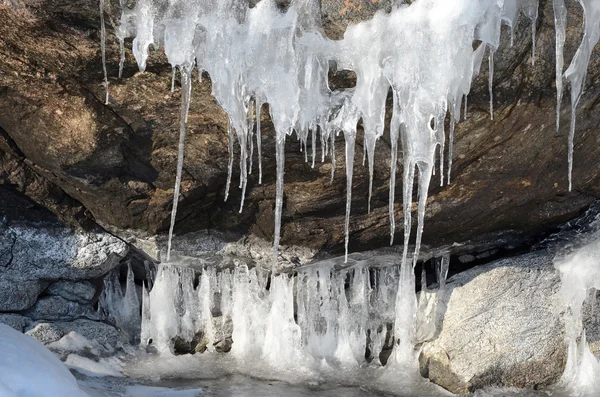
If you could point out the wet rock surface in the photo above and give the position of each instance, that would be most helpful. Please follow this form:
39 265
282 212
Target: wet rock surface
115 164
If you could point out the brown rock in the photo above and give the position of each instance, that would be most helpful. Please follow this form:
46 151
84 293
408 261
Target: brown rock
116 163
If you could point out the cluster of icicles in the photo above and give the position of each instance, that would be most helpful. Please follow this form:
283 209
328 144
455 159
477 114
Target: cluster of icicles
343 317
263 55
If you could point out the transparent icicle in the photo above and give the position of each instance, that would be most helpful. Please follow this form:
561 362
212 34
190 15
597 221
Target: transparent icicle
394 134
259 142
370 145
122 57
173 79
251 114
491 83
560 26
314 145
350 138
186 91
576 73
280 158
103 48
451 144
230 163
332 157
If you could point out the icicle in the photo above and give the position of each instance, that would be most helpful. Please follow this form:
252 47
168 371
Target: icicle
350 138
186 90
370 142
560 26
451 144
332 157
424 178
577 71
173 78
465 116
251 113
533 27
103 48
571 144
314 145
122 57
230 164
394 134
242 140
512 36
280 155
259 142
491 83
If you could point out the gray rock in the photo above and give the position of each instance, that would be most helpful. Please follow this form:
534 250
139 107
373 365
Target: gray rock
501 326
77 291
7 241
48 332
18 293
53 251
44 251
15 321
57 308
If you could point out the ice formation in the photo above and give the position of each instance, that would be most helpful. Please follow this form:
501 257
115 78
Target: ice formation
422 53
577 71
341 317
428 74
122 309
580 279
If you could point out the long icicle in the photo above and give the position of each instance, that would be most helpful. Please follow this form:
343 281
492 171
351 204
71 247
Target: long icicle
186 91
103 48
451 144
230 164
350 138
491 83
394 134
259 142
280 158
560 26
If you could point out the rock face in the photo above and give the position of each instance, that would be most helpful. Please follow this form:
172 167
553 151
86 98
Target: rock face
47 333
115 164
502 325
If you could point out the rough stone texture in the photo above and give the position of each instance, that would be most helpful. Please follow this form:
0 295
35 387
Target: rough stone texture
116 163
17 293
57 308
48 332
77 291
15 321
502 325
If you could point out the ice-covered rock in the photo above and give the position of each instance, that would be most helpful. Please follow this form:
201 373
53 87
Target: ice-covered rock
502 325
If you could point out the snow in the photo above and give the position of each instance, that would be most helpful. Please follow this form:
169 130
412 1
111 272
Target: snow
28 369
